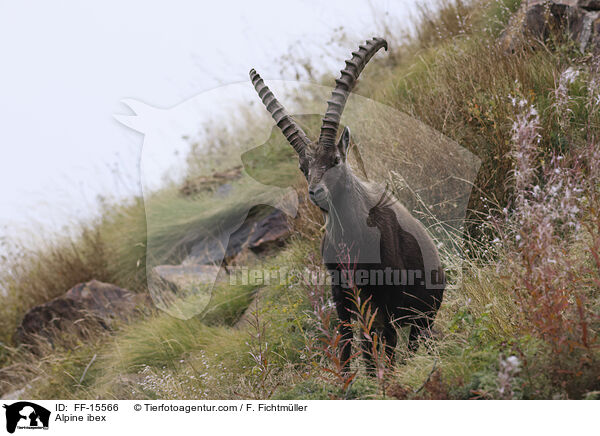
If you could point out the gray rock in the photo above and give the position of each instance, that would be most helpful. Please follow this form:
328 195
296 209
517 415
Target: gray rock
213 182
80 312
223 190
593 5
188 276
255 235
18 394
187 286
536 20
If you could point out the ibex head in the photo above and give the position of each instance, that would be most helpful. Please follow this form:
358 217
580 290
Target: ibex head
322 163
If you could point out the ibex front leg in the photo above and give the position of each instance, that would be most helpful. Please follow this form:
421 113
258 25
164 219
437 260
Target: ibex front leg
342 306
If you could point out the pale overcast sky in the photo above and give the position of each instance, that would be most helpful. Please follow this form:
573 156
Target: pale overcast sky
66 65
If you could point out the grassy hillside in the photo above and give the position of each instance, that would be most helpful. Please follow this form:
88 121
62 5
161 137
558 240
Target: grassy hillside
523 324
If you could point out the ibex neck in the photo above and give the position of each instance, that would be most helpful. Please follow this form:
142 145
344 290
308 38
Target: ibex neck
346 225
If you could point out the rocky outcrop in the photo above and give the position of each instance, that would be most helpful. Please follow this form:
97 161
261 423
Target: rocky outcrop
200 269
240 218
536 20
180 278
79 312
255 234
214 182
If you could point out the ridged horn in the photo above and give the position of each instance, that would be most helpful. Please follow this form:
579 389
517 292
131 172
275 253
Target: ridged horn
343 88
290 129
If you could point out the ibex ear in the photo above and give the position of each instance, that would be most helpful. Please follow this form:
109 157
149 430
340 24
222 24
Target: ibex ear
344 142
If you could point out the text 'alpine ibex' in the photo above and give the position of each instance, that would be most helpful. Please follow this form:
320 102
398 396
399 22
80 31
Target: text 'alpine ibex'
388 253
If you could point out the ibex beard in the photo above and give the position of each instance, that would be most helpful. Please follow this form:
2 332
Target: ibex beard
367 230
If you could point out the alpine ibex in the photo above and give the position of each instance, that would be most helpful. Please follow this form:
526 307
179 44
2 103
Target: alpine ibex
388 253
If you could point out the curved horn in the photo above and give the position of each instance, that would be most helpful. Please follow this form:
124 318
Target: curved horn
292 131
344 86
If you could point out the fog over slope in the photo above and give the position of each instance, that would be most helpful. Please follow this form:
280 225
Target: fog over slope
67 67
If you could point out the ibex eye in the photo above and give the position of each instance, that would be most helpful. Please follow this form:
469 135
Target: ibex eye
337 160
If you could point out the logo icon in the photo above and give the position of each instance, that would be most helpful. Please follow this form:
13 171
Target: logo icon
243 187
26 415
